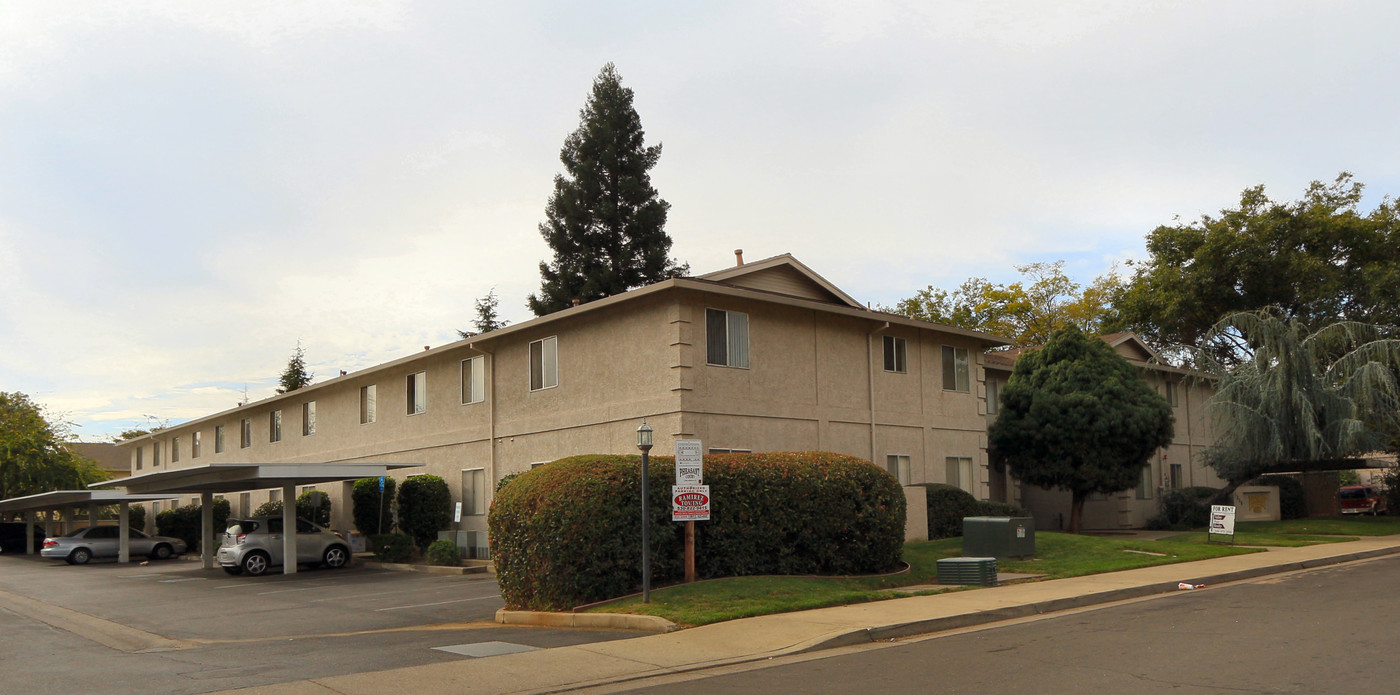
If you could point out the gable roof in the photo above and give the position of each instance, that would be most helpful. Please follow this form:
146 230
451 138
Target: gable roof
1126 343
785 275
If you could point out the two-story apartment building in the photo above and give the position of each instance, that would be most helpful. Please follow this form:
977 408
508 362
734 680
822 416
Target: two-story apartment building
762 356
1178 465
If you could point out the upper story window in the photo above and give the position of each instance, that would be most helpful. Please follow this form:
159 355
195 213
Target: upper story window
274 426
245 433
218 439
1171 394
416 392
308 418
896 355
726 338
155 453
195 445
993 396
473 381
174 449
956 371
544 364
368 404
139 452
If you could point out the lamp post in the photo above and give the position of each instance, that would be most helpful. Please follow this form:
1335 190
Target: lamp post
644 443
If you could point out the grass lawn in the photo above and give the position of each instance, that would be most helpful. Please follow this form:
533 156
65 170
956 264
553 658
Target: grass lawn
1298 532
1057 555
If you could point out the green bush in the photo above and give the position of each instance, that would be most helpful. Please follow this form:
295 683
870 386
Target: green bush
371 512
444 553
568 533
425 507
1183 509
320 516
136 517
1292 501
988 508
185 522
391 547
947 505
270 508
506 479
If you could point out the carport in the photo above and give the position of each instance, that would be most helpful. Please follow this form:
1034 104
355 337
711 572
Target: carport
67 499
224 478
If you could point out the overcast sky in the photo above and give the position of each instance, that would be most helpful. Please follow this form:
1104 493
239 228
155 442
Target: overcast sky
188 189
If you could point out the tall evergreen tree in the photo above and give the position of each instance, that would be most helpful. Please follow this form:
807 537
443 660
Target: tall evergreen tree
605 222
295 375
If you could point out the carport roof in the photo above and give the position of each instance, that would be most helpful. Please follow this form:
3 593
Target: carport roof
237 477
59 499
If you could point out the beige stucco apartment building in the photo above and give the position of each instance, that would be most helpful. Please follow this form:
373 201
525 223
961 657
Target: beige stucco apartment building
762 356
1178 465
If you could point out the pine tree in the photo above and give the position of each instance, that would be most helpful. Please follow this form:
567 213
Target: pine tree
487 317
295 376
605 222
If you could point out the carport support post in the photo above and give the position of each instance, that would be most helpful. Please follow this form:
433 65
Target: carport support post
289 529
92 515
206 529
29 532
123 533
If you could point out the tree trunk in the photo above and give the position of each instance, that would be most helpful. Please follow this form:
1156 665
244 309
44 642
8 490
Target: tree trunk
1227 493
1076 511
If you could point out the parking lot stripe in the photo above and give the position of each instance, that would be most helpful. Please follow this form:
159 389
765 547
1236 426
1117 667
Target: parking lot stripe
287 591
184 579
439 603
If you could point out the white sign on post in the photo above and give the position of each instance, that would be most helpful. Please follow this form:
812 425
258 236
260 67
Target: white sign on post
1222 520
690 503
690 463
457 515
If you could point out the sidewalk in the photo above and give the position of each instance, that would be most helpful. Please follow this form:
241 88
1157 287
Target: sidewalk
753 639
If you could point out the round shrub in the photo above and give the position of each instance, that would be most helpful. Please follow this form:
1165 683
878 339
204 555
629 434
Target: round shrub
569 533
317 514
444 553
1292 501
185 522
371 511
136 517
270 508
391 547
425 507
1183 509
947 505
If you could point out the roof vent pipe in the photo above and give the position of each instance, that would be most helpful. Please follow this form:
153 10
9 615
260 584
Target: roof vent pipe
738 257
575 301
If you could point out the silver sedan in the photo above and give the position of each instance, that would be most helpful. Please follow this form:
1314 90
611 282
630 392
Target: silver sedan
101 541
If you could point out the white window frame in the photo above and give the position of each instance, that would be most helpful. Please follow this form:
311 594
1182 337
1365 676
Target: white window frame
896 354
369 403
473 380
196 445
308 418
549 357
901 467
415 392
245 433
737 345
960 467
274 426
474 491
962 368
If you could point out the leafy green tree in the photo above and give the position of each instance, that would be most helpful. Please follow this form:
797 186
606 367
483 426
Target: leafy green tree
1077 416
604 222
487 317
425 507
33 455
295 375
1027 312
1318 259
1302 399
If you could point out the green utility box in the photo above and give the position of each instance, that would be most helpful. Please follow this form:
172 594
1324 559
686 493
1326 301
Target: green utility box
968 570
999 536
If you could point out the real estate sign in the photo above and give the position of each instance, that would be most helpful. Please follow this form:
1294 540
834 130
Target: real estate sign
690 503
690 463
1222 520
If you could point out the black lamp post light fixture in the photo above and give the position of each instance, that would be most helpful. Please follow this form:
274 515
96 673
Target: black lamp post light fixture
644 443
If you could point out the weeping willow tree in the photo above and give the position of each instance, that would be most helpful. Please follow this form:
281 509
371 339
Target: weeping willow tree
1301 399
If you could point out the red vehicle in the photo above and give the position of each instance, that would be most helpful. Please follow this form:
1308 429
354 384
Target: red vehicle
1360 499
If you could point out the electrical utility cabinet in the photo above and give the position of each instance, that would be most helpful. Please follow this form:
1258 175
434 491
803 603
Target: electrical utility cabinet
1000 537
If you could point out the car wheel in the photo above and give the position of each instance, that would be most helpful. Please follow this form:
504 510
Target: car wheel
161 552
336 557
234 570
256 564
79 556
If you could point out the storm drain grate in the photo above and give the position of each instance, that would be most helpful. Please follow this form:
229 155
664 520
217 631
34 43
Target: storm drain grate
480 649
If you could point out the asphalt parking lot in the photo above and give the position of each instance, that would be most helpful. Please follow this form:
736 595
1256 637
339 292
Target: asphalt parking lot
175 627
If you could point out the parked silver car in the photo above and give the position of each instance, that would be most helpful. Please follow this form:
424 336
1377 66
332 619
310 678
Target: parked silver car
101 541
254 545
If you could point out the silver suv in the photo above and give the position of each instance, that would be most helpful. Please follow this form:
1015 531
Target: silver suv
254 545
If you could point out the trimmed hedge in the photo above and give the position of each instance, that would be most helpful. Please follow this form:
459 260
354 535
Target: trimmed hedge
184 523
947 505
443 553
424 508
391 547
371 514
569 533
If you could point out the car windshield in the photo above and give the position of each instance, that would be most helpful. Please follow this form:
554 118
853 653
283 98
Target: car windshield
238 527
1355 493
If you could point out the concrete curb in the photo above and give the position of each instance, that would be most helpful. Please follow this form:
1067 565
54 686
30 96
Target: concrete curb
610 621
421 569
954 622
